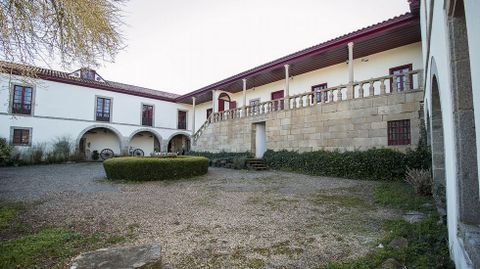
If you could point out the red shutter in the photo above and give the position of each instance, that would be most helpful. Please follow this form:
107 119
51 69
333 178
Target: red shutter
233 104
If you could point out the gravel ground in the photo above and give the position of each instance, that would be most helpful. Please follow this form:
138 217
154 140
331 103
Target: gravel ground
225 219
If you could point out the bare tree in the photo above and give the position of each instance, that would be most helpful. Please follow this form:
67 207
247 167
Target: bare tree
72 31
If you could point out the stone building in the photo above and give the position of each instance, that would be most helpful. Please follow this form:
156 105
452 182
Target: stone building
451 56
369 88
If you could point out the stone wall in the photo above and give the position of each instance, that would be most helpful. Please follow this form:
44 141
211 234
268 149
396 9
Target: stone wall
355 124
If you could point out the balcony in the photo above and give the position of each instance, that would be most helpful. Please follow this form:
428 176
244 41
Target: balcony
374 87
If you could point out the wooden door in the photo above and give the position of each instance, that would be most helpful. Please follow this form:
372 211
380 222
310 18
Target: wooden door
277 105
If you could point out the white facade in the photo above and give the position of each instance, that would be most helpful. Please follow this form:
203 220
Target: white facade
65 110
450 98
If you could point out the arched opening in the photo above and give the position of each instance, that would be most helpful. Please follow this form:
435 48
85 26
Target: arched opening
179 144
146 141
438 150
96 139
225 103
464 117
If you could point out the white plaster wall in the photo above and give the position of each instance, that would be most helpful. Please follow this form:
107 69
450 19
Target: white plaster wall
100 140
144 141
68 110
472 15
439 51
378 65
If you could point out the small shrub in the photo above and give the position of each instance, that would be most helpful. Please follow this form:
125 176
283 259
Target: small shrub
37 153
5 151
61 149
77 156
154 168
239 162
420 179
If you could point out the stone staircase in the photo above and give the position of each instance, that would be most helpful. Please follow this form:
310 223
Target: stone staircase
256 164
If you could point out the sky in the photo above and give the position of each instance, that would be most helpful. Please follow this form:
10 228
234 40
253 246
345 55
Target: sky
182 45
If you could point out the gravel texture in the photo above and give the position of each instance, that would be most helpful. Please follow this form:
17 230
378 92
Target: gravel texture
225 219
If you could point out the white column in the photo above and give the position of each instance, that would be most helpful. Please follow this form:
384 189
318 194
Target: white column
287 92
214 97
193 116
244 92
350 88
350 62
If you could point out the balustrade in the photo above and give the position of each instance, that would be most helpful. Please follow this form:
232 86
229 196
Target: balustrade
391 84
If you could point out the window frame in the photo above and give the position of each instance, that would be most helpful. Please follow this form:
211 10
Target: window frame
401 67
209 112
317 100
12 98
395 138
178 119
12 136
152 116
96 108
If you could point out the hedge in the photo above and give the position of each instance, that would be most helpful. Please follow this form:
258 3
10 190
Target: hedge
373 164
155 168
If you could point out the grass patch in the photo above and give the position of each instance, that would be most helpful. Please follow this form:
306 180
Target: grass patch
342 200
399 195
427 240
282 248
47 247
8 212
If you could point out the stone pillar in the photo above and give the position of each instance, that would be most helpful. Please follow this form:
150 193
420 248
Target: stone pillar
244 92
214 97
350 89
287 81
193 116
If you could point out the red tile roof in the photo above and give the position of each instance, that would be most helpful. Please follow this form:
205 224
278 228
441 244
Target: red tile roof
64 77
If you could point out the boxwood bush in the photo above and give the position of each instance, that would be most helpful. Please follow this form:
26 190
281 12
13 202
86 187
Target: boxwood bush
155 168
372 164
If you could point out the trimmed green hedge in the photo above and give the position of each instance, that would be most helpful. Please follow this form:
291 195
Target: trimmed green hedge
373 164
155 168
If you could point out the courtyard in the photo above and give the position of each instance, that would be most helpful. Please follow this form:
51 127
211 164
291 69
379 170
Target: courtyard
225 219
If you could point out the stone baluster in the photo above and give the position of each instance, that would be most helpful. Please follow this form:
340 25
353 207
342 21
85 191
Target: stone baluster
420 79
360 90
300 101
382 87
407 82
339 94
371 88
322 96
394 88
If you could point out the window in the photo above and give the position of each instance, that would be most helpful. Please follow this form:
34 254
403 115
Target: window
317 90
254 105
209 112
401 80
182 120
87 74
398 132
147 115
277 104
21 137
104 106
22 100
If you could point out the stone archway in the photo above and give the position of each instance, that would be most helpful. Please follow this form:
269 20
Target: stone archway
179 143
224 101
438 149
146 139
97 138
